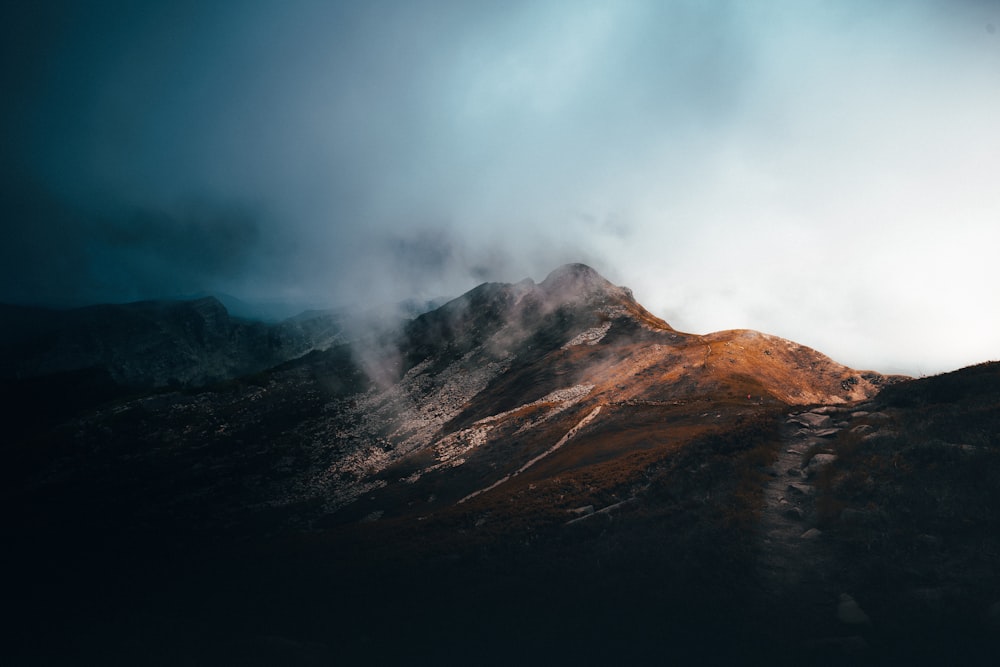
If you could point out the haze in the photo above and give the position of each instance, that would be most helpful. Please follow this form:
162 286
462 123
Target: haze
822 171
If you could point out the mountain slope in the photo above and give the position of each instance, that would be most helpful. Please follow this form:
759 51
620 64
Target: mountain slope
547 470
153 343
483 389
514 368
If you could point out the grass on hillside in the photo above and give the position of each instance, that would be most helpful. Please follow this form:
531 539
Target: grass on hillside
913 506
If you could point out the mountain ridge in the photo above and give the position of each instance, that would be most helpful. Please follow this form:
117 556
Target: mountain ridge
525 359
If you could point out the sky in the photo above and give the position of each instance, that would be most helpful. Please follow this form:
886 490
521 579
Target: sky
822 171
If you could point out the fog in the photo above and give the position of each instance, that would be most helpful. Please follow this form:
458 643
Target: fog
821 171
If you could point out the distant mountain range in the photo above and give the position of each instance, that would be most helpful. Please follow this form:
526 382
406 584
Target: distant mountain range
532 473
155 343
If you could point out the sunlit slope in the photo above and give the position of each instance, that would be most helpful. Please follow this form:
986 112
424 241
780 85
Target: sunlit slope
516 382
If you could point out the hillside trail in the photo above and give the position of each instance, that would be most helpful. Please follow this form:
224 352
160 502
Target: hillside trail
796 570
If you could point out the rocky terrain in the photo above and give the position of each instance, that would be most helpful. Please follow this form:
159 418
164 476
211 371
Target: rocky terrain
532 472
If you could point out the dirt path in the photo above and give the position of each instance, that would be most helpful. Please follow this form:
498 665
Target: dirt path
796 570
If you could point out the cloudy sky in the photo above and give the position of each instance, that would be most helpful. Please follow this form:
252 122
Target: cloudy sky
824 171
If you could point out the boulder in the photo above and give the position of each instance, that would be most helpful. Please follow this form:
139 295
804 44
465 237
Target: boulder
818 462
811 534
851 515
793 513
849 612
811 420
932 541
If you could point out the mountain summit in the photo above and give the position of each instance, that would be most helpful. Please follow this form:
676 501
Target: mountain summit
579 280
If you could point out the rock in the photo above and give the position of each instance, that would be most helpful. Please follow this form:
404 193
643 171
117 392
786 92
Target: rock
929 540
799 489
859 414
606 511
825 410
811 534
851 515
818 462
861 429
849 612
811 420
826 432
582 511
793 513
794 472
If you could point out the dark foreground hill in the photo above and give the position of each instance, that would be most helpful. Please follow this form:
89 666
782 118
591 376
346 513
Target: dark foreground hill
533 473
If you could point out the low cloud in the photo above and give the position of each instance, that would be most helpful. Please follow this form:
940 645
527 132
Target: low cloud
820 171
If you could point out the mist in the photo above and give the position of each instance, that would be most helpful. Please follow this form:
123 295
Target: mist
821 171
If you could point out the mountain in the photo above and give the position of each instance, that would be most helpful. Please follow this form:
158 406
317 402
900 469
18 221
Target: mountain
532 473
151 344
529 363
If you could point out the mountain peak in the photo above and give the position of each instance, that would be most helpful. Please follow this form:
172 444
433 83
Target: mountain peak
573 273
579 280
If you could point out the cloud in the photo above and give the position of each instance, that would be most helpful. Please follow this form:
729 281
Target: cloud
63 254
821 171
